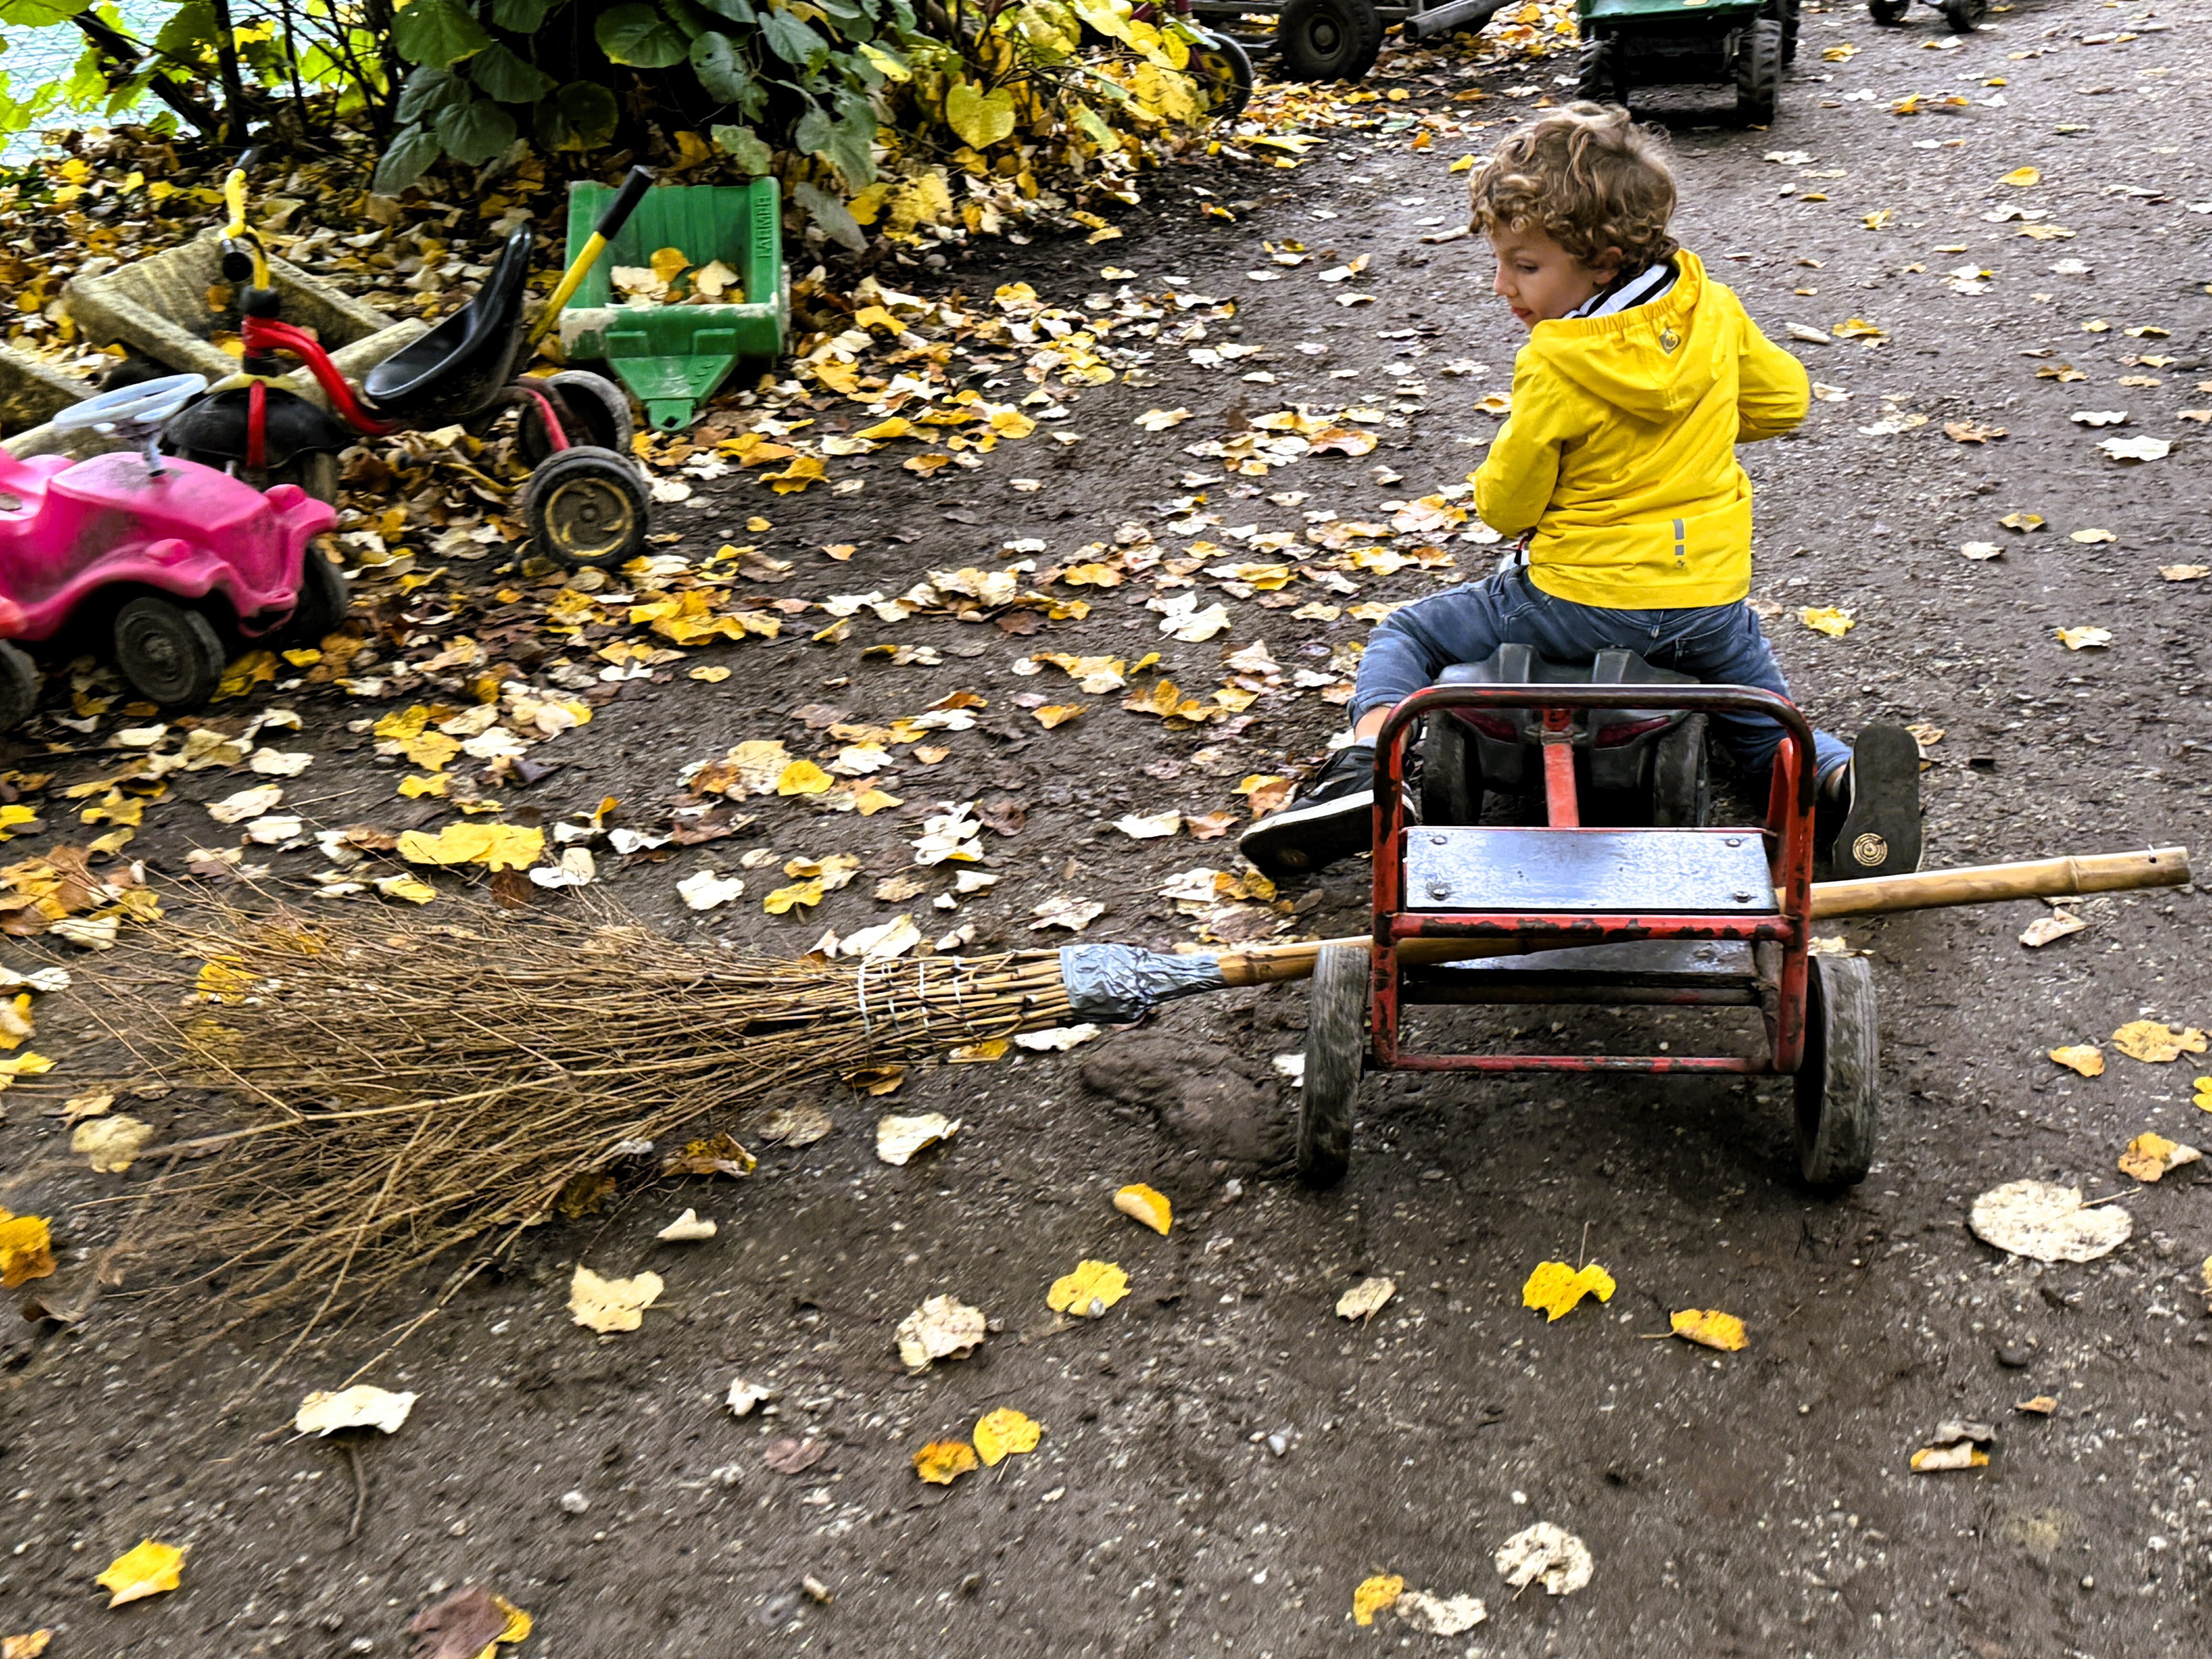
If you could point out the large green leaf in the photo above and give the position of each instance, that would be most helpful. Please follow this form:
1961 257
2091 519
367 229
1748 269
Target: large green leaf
639 37
743 145
738 11
510 79
791 39
427 91
835 219
438 32
410 154
981 119
190 32
721 67
851 149
40 14
523 16
581 116
475 131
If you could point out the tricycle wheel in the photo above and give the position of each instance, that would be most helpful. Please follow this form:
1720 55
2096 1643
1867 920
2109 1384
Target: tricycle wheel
1328 39
1336 1045
592 409
1840 1082
1758 72
1597 71
322 603
1964 16
1221 66
1888 13
588 509
171 654
1681 777
19 685
1451 772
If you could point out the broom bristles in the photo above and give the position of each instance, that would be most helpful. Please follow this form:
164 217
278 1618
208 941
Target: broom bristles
415 1086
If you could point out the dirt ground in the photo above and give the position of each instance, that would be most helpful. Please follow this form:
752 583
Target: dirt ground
1223 1459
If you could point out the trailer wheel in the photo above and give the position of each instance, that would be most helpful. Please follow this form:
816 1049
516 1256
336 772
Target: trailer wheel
1839 1083
1786 12
19 685
586 507
1758 72
1328 39
1336 1045
1888 13
170 655
1451 772
1597 71
1964 16
1681 777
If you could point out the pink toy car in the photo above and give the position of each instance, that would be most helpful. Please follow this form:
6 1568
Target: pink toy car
174 554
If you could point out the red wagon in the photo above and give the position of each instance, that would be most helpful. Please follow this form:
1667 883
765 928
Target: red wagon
1685 917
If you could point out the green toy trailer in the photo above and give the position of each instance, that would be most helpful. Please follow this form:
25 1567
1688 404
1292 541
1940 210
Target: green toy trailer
673 357
1648 43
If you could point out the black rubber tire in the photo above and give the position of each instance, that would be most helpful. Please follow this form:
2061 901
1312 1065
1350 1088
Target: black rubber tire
588 509
1451 772
1964 16
1597 74
1786 13
1839 1084
1328 39
321 604
1336 1048
1888 13
171 655
1758 73
599 410
19 685
1224 68
1681 777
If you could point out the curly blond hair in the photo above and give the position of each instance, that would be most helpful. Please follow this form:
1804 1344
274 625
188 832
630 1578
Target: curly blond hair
1586 176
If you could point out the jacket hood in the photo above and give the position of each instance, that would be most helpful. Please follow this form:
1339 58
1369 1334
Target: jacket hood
1652 361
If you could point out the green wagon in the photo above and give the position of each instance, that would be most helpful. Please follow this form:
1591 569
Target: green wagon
1627 44
673 357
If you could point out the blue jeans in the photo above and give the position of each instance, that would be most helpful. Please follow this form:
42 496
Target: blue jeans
1719 644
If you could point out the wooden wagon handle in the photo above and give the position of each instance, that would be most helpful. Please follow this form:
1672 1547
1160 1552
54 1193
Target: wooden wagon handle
1925 890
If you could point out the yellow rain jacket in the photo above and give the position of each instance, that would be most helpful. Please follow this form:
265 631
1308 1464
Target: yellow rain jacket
1620 451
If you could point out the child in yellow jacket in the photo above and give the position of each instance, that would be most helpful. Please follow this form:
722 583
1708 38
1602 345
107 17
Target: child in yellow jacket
1618 468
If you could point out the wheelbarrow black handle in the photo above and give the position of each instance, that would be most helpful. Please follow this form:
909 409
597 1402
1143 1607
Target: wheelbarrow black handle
625 204
1696 699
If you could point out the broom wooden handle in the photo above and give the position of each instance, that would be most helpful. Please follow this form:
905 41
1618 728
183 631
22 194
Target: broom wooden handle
1925 890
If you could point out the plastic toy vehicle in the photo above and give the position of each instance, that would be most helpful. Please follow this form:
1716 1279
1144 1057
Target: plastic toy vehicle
1632 765
1963 15
586 503
1339 39
1679 917
178 555
1647 43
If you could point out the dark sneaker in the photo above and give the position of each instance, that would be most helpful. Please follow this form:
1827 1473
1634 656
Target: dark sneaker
1880 835
1333 820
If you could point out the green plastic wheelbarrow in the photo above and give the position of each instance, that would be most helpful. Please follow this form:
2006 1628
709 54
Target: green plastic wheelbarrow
673 357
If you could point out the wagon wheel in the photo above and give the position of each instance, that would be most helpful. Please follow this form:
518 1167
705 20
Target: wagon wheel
1224 68
170 655
1681 777
1328 39
1597 71
1336 1046
1451 772
1888 13
1964 16
1758 72
1840 1082
19 685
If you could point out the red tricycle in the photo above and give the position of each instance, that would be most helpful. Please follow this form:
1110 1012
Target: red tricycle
1674 917
173 556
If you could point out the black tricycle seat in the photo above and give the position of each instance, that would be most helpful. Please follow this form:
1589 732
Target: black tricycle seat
459 367
1611 738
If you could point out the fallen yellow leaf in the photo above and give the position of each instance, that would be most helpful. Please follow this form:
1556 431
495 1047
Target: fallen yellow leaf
27 1251
148 1570
1557 1288
495 846
1827 619
24 1647
1143 1203
1710 1327
1965 1454
2150 1156
943 1462
804 777
2155 1042
611 1304
2086 1057
2022 177
1374 1596
1004 1432
1087 1293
